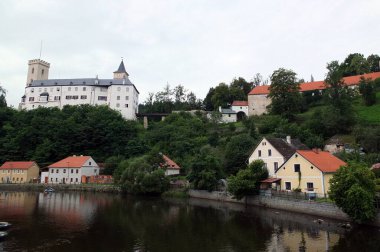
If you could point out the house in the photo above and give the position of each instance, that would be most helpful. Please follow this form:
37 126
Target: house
275 151
19 172
258 99
72 170
228 115
334 145
172 168
119 93
309 171
241 109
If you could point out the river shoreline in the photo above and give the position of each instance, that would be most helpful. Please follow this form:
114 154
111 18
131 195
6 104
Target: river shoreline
105 188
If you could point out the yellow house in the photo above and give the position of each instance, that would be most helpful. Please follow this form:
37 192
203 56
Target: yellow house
19 172
309 171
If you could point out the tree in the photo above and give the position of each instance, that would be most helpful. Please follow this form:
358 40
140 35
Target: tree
284 92
367 90
243 85
221 96
237 153
205 170
355 64
3 102
353 190
374 62
247 181
339 115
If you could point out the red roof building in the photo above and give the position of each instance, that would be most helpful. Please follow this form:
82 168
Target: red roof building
240 103
19 172
172 168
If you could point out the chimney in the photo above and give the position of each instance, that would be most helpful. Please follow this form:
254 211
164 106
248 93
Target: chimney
316 150
288 139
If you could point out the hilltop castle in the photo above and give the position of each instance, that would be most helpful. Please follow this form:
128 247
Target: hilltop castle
118 93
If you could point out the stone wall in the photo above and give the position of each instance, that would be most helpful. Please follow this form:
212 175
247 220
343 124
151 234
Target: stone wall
323 209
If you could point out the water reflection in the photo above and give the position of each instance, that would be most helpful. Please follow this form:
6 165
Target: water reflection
101 222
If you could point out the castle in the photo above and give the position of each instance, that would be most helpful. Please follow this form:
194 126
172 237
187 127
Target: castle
118 93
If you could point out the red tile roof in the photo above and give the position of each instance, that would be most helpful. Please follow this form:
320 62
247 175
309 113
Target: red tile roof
240 103
270 180
70 162
17 165
318 85
322 160
170 163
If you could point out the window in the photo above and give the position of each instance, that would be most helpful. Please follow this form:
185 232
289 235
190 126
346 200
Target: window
118 98
72 170
127 98
57 89
57 171
95 171
76 179
288 186
56 179
57 98
32 90
51 179
31 98
75 97
45 89
21 179
83 97
40 89
269 153
102 98
64 170
118 88
84 88
77 171
297 168
71 180
42 72
17 179
76 88
275 166
127 89
68 97
89 163
259 153
126 105
52 171
117 105
103 89
69 88
33 70
310 186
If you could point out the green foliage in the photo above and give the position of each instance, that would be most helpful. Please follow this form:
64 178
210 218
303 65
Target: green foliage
237 152
205 169
284 92
247 181
367 90
3 102
353 190
142 176
355 64
368 137
111 164
373 61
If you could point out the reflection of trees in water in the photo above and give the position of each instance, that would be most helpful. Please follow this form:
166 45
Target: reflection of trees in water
359 239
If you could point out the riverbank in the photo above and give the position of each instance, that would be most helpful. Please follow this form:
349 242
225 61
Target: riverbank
62 187
318 209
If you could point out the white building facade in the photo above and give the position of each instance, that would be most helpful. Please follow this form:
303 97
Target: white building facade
72 170
118 93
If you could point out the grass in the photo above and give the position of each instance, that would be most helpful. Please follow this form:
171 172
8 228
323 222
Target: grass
175 193
368 114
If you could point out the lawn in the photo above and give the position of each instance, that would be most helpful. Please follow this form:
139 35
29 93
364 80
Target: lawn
369 114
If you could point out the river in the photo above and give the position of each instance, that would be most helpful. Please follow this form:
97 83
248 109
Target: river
106 222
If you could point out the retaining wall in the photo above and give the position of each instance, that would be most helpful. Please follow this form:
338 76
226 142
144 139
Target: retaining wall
323 209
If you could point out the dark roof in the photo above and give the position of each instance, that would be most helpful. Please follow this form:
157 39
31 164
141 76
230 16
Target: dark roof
121 68
227 111
286 149
44 94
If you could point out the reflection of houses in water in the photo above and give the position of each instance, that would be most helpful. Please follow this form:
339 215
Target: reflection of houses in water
16 204
67 208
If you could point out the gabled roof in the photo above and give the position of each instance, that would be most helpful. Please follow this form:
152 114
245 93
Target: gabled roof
17 165
318 85
240 103
322 160
286 149
170 163
70 162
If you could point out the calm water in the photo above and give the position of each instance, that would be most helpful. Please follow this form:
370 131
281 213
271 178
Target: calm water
102 222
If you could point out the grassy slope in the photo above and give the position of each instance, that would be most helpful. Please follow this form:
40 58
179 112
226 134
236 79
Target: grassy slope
370 115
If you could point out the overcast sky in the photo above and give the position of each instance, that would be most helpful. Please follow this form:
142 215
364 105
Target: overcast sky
197 43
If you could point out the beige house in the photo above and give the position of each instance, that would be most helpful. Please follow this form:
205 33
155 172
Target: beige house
309 170
19 172
275 151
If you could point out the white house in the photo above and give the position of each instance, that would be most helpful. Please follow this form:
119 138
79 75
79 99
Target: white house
172 168
275 151
241 109
72 170
118 93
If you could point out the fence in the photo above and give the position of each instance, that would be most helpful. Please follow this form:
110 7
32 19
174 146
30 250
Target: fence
292 195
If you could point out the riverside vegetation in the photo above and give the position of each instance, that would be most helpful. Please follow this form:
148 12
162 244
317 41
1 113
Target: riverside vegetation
206 150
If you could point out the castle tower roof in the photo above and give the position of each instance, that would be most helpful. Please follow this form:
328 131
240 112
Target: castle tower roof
121 68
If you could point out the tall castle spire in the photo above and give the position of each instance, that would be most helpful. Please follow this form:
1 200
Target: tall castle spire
120 73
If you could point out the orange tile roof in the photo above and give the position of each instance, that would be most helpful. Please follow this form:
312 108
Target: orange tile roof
70 162
322 160
17 165
318 85
240 103
171 164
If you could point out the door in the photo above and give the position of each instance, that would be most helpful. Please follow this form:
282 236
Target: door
46 180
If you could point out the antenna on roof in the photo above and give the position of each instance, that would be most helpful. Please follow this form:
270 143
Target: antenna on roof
40 49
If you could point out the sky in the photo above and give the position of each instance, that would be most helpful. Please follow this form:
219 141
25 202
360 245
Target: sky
197 43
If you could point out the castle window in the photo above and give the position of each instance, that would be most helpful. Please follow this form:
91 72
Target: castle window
45 89
57 89
68 97
40 89
119 88
31 98
117 105
127 89
127 98
69 88
102 98
126 105
76 88
75 97
32 90
57 98
42 72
